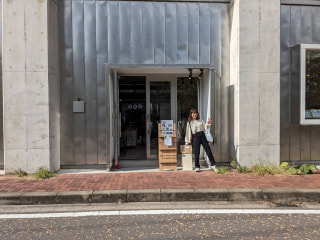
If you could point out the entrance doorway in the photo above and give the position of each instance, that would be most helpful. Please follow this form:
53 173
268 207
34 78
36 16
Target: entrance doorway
132 107
143 103
140 100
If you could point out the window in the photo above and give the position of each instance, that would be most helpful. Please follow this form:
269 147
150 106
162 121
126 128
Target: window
305 85
312 84
187 98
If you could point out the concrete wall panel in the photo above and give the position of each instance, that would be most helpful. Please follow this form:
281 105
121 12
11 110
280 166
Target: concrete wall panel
249 155
268 32
28 129
255 29
249 44
14 110
249 117
36 37
37 117
13 37
28 161
269 108
270 154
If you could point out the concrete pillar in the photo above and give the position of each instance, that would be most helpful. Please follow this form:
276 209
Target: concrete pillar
255 75
30 85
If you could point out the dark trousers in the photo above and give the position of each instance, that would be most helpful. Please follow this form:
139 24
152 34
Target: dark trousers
198 139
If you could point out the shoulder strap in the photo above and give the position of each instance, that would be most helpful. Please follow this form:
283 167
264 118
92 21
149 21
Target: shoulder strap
190 127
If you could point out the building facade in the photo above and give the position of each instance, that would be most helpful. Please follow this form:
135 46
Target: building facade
85 82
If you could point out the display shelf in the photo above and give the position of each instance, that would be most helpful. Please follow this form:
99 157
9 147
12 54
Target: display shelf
167 154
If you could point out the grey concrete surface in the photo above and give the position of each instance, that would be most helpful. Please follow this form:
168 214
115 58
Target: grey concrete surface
132 206
280 195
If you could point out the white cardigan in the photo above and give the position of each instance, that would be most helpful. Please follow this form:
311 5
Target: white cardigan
196 126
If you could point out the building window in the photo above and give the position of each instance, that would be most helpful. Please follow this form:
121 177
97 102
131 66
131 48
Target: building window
305 85
312 84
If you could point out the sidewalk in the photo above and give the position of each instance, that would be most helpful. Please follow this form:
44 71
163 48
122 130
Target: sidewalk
158 186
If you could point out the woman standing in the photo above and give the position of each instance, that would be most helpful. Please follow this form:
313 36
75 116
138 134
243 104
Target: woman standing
195 130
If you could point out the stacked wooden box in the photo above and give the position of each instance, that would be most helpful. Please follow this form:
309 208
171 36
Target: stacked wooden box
187 157
167 154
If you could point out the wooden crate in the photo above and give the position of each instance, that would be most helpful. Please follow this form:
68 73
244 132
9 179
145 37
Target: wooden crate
167 154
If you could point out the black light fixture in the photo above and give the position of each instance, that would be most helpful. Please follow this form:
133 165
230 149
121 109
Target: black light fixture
190 73
201 73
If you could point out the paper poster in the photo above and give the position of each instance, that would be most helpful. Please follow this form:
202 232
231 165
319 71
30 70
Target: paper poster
167 131
167 127
167 140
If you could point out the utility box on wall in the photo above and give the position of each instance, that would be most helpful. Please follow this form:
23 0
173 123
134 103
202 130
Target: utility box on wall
78 106
305 85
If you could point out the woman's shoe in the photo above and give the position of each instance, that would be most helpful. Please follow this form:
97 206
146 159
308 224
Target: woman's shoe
197 170
214 168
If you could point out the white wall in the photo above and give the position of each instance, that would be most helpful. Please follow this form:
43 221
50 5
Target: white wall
255 75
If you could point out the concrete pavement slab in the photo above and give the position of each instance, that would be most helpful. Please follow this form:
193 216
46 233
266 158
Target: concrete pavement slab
109 196
168 195
283 195
305 195
211 194
74 197
10 198
161 195
143 195
245 194
38 198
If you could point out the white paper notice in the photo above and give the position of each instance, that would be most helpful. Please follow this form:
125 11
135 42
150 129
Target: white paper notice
167 127
167 141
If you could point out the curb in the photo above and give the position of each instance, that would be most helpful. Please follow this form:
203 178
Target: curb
281 195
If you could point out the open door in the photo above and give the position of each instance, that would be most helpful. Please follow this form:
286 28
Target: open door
208 102
206 96
112 122
161 105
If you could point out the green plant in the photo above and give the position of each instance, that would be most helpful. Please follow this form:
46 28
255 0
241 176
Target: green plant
234 164
223 170
243 169
305 168
20 173
43 173
261 169
284 165
300 169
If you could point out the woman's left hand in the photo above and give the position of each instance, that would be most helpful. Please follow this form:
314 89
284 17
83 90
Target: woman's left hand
209 120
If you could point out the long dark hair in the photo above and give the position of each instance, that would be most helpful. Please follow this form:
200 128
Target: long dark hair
193 110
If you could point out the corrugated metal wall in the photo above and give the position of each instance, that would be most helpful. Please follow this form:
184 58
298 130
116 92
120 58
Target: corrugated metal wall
299 24
1 101
93 33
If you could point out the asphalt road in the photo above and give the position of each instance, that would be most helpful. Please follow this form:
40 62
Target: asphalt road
175 226
207 221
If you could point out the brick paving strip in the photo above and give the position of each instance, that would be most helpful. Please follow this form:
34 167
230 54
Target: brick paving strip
157 186
155 180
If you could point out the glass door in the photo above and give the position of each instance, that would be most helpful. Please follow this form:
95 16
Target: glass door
161 102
